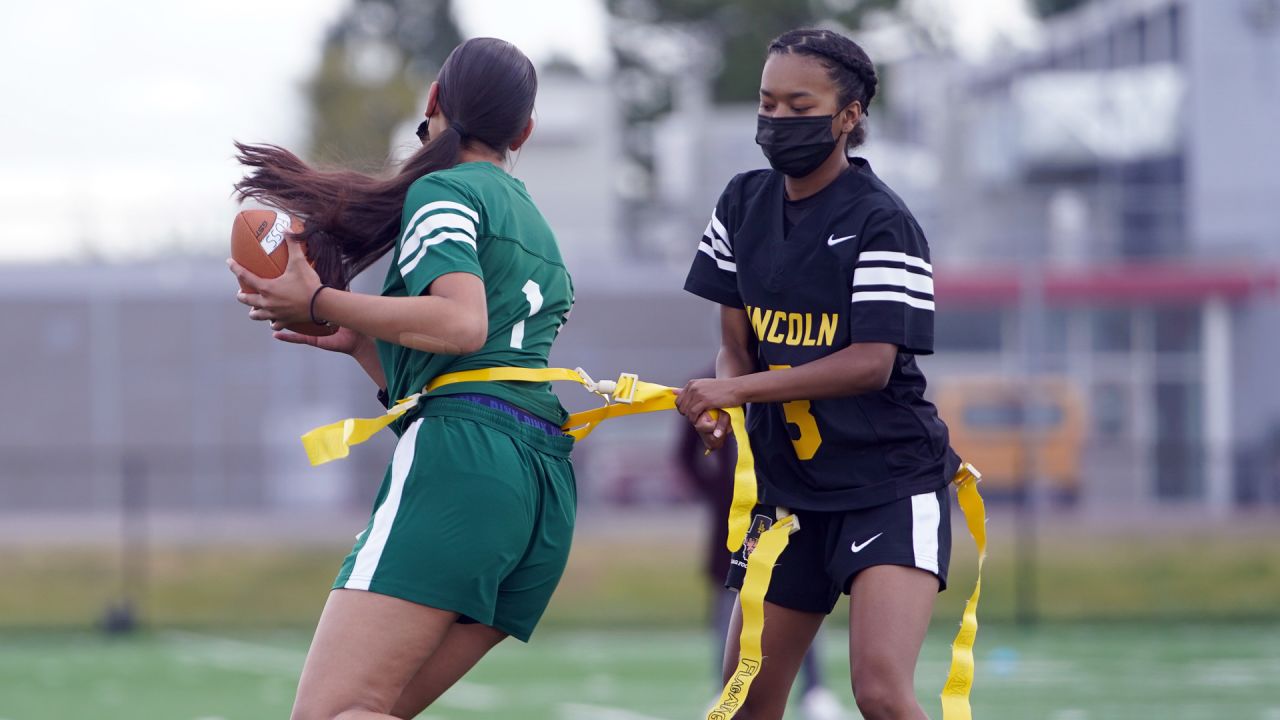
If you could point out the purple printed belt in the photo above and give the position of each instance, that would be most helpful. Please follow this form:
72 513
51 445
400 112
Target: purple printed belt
520 414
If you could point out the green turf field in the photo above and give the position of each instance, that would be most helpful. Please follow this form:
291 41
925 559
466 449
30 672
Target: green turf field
1057 672
643 577
1176 623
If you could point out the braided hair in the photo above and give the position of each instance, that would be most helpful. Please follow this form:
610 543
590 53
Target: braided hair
846 62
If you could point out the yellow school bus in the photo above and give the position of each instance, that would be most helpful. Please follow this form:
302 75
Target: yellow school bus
986 418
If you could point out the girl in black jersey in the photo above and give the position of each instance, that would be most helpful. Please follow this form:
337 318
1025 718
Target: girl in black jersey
826 293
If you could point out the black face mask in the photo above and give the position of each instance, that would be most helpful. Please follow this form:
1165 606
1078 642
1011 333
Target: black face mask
795 146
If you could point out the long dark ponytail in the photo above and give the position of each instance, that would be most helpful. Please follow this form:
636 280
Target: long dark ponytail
486 90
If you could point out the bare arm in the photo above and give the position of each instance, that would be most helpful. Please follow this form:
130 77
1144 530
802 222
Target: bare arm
737 345
453 318
857 369
736 358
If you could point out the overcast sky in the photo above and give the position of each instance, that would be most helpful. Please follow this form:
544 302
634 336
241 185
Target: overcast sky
117 118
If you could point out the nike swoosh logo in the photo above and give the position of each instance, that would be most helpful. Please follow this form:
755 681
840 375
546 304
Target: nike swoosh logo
833 240
856 547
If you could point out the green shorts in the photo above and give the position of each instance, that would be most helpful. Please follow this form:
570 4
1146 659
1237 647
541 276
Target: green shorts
475 516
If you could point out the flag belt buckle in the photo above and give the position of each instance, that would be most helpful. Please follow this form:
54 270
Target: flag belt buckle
967 474
622 390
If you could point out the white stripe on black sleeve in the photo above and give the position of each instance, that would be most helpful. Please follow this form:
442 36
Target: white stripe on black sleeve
718 228
883 276
890 296
715 244
871 256
705 247
899 277
720 246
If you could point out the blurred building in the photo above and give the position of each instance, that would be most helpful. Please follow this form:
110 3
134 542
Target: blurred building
1101 211
151 375
575 137
145 382
1108 202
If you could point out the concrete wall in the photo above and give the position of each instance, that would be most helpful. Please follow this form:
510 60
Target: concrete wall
1233 146
157 366
154 369
1233 163
566 166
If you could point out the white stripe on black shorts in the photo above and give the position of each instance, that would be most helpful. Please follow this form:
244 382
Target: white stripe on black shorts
831 548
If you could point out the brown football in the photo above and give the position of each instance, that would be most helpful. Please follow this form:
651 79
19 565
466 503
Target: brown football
258 244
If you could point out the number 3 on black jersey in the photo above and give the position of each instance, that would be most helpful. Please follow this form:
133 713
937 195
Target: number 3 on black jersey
799 414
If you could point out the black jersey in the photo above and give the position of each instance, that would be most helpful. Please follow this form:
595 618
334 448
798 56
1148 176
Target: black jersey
854 268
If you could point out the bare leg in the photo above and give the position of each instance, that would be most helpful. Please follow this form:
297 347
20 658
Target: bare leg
723 601
462 648
366 650
787 636
889 611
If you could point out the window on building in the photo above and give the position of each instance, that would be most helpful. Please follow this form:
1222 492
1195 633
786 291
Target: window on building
968 330
1179 452
1177 330
1111 329
1101 53
1109 410
1129 43
1160 41
1056 332
1152 212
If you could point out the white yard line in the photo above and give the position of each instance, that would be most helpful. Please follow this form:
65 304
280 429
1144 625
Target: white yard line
232 654
259 658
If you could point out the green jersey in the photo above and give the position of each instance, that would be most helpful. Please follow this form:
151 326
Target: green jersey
475 218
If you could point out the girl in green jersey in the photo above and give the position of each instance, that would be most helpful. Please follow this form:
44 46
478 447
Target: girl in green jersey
471 528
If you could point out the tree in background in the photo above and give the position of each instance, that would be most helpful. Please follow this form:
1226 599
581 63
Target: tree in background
659 44
376 61
739 32
655 42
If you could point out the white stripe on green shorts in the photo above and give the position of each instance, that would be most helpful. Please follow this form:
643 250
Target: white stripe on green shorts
370 554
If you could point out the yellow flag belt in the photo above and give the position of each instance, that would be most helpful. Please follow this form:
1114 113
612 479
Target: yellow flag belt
629 395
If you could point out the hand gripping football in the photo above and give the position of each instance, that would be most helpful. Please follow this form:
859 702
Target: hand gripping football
258 244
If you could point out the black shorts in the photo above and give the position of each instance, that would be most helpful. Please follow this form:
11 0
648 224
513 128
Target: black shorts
830 548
